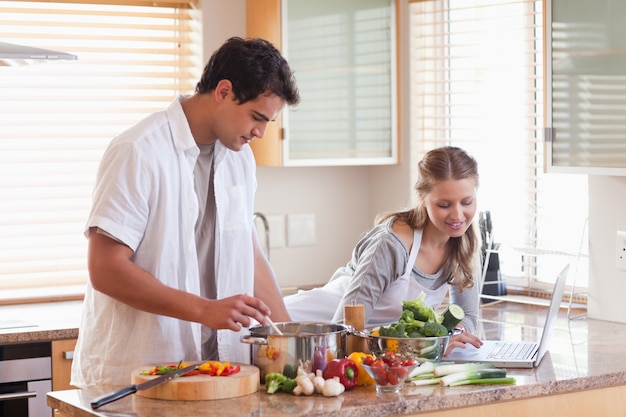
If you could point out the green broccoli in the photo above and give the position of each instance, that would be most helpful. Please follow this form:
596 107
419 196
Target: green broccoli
289 385
411 326
407 316
393 330
415 333
434 329
420 311
277 382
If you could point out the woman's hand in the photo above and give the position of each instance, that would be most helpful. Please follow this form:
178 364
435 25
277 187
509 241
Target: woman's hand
460 339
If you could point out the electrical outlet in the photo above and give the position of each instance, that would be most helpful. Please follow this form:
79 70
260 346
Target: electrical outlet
620 250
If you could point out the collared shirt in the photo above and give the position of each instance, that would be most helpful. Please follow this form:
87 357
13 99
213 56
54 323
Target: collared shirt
145 198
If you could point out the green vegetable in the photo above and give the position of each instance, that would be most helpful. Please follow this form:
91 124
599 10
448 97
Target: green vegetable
290 371
443 370
505 381
393 330
412 327
472 376
425 381
420 311
453 374
452 316
420 320
424 368
277 382
289 385
434 329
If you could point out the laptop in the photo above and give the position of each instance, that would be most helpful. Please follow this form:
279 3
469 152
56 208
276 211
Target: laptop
517 354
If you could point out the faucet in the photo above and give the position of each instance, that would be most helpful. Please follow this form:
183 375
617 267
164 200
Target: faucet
266 226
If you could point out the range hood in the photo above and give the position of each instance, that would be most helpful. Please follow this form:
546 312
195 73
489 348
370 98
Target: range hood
12 55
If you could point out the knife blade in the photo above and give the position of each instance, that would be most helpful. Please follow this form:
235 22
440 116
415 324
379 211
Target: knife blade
131 389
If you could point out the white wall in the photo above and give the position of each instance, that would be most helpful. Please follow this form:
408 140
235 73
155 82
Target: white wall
344 200
607 214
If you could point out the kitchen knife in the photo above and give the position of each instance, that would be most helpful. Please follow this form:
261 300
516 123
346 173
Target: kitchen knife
131 389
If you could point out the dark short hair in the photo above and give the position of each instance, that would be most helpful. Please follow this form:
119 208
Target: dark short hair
254 67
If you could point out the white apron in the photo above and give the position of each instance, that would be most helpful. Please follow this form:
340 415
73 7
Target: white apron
389 307
320 304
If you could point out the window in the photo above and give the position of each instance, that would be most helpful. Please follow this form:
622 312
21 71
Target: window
587 47
343 55
57 117
476 82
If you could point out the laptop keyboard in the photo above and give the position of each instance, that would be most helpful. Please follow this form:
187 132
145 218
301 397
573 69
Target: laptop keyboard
512 350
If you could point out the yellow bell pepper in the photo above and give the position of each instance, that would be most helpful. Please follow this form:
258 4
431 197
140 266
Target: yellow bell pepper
363 378
392 345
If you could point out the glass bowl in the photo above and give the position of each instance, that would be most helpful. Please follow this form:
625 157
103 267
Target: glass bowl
389 378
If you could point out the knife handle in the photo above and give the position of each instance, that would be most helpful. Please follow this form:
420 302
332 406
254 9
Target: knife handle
113 396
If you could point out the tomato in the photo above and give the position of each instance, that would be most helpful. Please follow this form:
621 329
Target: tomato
380 375
368 360
392 377
401 372
408 362
389 357
378 363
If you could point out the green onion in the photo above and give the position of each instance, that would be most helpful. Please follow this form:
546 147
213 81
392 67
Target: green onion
509 381
422 376
429 381
472 375
444 370
425 368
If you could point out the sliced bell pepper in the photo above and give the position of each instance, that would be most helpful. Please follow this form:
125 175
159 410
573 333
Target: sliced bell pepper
211 368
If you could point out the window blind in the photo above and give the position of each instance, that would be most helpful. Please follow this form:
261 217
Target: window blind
476 83
57 117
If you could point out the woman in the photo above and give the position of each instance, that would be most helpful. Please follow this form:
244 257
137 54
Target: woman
431 248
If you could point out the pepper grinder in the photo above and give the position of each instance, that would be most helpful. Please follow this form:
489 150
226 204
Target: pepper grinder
354 316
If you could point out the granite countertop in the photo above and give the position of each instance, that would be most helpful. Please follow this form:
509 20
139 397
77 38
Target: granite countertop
584 354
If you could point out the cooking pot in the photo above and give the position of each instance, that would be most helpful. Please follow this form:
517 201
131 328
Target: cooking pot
309 345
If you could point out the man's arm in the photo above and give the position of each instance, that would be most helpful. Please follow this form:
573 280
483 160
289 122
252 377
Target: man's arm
265 284
112 272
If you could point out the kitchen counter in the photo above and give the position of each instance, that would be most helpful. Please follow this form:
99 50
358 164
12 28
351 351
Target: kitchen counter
39 322
583 374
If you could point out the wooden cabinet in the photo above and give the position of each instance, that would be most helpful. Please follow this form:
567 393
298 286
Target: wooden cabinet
345 62
263 21
62 355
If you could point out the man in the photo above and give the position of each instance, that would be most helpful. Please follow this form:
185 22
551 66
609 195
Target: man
173 254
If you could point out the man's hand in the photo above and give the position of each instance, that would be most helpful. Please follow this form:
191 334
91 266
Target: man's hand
235 312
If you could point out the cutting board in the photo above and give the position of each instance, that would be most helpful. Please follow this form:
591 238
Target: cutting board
201 387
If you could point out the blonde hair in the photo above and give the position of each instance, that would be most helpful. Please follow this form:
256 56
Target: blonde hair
440 164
